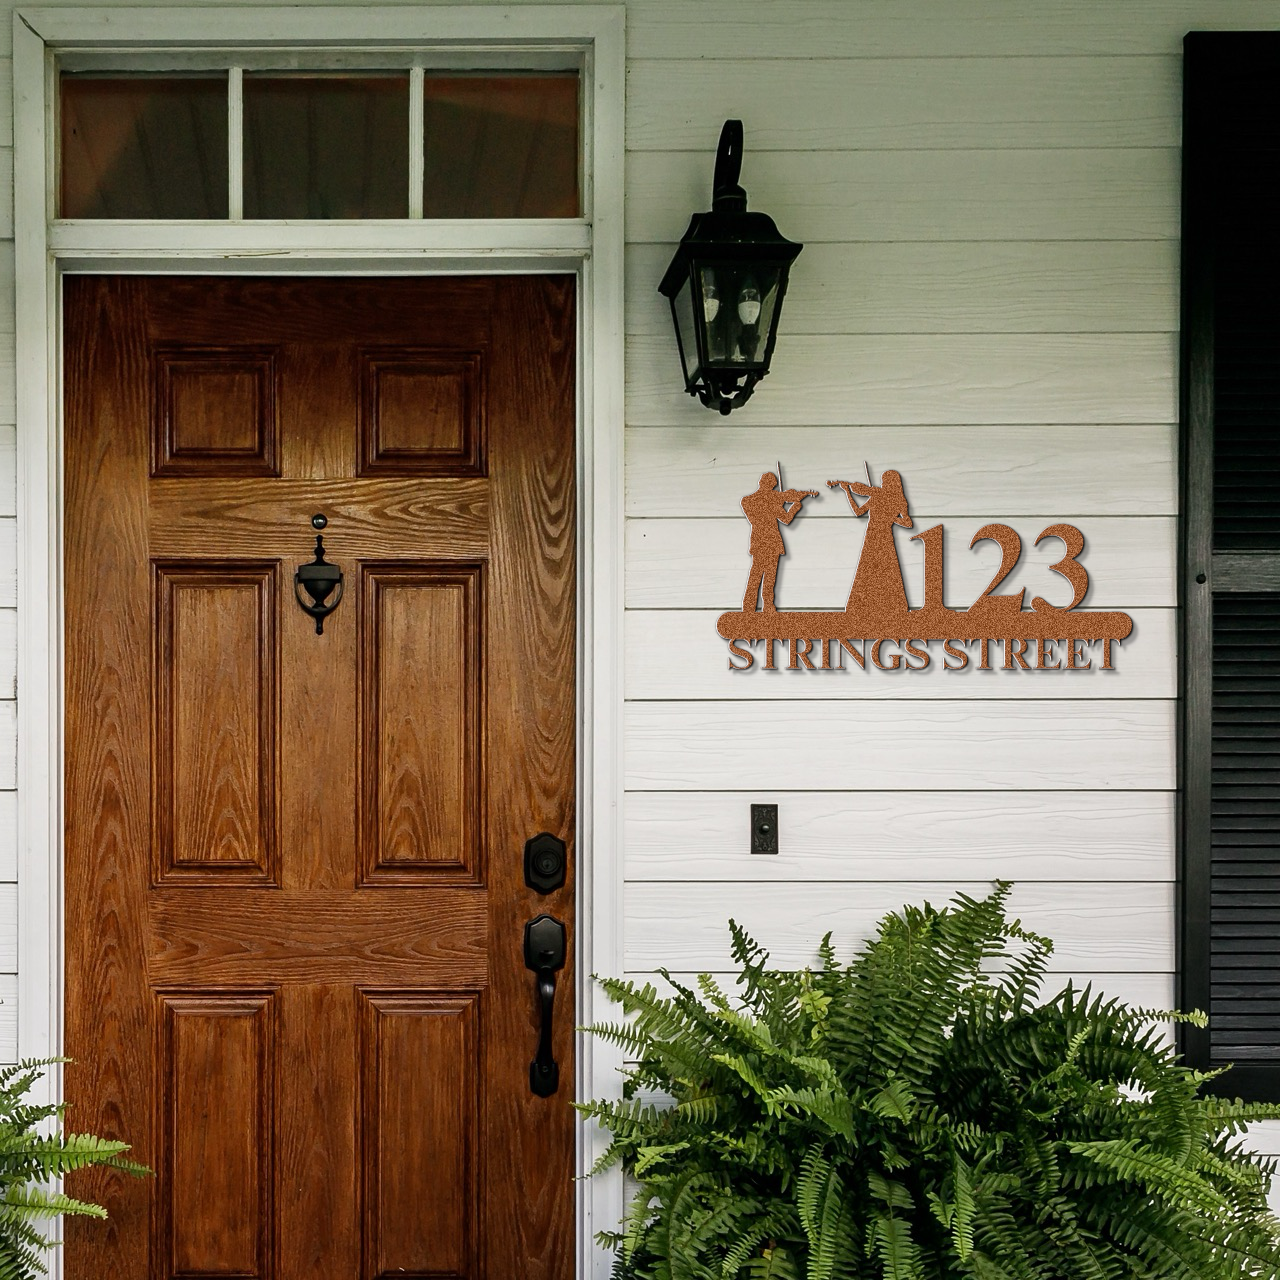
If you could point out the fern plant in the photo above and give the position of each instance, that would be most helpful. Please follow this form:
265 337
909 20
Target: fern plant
30 1158
922 1114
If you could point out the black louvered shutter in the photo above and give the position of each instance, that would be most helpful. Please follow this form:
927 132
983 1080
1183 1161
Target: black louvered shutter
1229 958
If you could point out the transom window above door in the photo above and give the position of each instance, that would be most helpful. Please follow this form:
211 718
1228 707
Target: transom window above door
241 143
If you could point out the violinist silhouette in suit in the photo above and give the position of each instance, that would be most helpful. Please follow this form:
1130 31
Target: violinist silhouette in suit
766 509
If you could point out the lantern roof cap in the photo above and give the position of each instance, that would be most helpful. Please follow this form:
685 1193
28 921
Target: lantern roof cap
728 232
727 237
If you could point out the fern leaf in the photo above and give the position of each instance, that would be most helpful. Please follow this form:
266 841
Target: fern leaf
32 1202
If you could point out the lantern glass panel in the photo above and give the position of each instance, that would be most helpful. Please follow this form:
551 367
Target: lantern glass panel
739 302
686 331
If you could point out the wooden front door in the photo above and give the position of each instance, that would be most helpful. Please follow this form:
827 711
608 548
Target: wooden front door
295 892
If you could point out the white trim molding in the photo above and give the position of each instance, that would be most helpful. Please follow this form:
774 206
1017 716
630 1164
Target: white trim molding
589 36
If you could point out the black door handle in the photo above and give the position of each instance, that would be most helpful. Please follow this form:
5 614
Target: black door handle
544 954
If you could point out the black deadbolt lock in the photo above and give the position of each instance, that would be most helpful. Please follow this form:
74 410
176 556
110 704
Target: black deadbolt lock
544 863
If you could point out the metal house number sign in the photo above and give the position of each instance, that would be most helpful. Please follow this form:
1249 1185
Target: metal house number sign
878 628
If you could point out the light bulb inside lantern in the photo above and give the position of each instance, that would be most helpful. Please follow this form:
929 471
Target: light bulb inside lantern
749 305
710 300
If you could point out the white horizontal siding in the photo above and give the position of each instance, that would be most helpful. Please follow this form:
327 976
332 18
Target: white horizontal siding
950 471
943 29
8 563
8 468
683 926
840 104
879 836
8 765
1034 744
8 654
8 363
8 928
8 837
6 186
1117 194
8 1017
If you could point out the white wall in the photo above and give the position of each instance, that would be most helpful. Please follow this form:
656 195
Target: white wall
987 301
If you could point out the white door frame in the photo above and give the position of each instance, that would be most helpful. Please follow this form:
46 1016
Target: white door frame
591 247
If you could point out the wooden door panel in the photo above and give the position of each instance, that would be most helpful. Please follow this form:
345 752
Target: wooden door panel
217 729
428 517
437 938
420 1134
422 412
216 1134
295 906
215 412
421 723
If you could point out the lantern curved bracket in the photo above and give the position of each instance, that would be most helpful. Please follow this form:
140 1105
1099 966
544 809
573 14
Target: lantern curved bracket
725 191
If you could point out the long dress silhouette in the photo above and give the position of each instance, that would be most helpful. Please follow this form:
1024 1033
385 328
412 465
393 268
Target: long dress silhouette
877 591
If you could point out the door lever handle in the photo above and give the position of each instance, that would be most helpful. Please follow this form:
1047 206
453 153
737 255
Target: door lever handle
544 945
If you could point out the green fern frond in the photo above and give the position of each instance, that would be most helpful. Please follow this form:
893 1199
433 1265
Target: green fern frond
923 1113
31 1157
33 1202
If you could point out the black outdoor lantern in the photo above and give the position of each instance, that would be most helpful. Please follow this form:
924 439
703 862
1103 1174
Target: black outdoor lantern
726 285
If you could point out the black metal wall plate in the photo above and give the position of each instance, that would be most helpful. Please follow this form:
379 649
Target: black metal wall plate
545 863
764 828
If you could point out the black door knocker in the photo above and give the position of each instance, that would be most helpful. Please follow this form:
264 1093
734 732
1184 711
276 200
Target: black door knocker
319 578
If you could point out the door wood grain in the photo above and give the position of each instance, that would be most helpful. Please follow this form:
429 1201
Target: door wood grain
295 898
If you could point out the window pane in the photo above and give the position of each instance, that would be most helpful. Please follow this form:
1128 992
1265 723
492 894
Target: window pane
326 146
144 147
501 146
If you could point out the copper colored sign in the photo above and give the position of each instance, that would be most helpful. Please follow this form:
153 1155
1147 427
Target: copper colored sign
1042 638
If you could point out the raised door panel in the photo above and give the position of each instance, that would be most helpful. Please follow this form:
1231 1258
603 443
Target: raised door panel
419 1148
216 1088
422 412
216 731
422 651
215 411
